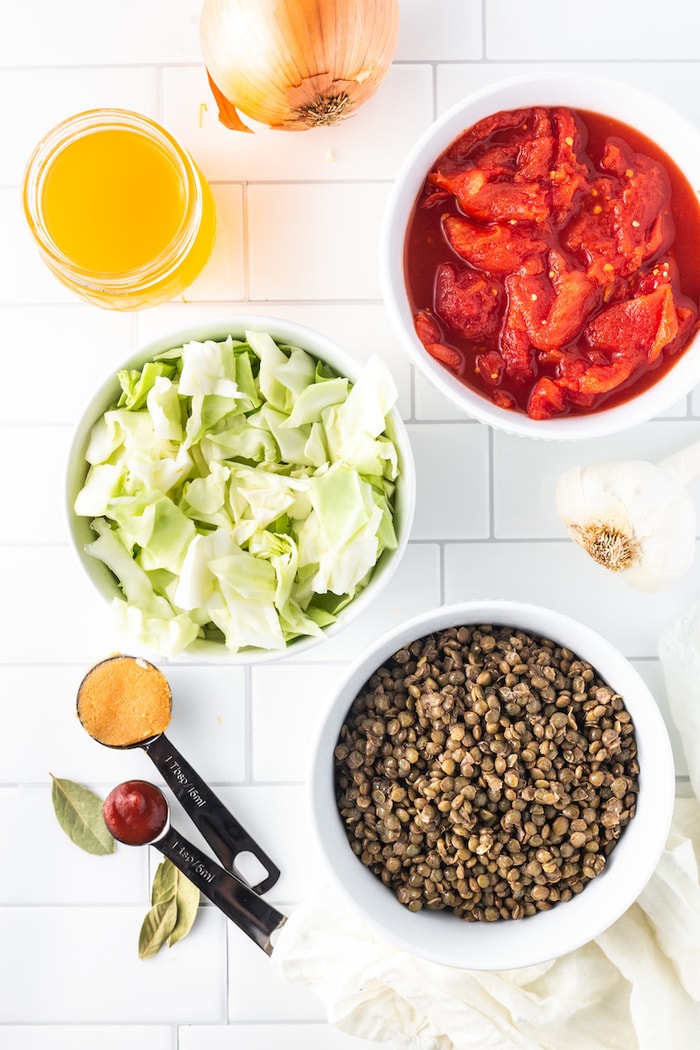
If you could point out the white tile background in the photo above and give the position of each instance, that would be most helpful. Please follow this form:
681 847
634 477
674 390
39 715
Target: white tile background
299 216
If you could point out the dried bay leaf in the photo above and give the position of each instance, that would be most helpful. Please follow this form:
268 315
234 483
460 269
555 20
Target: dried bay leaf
156 927
187 907
164 886
174 904
79 812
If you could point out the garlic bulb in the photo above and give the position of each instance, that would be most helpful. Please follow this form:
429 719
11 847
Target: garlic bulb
296 64
633 517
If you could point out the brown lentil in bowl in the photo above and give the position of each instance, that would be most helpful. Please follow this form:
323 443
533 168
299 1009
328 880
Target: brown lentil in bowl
486 771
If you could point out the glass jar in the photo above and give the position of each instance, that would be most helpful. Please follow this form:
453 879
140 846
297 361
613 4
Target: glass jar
119 210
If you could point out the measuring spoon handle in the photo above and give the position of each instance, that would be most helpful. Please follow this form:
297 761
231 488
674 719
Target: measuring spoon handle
253 915
224 833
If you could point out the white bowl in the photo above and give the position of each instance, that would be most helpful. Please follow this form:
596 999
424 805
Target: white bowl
676 136
508 943
318 346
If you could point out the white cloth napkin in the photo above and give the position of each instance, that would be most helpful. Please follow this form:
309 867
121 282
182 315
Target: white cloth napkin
635 987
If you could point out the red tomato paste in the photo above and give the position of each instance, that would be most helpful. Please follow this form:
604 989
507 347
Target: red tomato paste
135 812
551 261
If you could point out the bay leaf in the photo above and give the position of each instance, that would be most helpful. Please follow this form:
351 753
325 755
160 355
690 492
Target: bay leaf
79 812
164 886
156 927
174 904
188 897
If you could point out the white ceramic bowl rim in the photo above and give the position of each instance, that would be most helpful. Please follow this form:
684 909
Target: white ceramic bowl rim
286 332
672 132
438 936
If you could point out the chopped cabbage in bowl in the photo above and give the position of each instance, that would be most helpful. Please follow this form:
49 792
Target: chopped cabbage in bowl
241 491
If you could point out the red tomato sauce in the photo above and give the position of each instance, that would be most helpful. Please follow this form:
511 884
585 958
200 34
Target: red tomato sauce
551 261
135 812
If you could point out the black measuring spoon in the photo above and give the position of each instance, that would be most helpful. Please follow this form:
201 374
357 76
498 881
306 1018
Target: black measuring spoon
136 812
224 833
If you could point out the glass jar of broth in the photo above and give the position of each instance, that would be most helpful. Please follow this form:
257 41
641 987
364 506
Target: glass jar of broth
119 210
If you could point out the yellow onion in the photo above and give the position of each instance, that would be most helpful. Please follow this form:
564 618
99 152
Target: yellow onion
296 64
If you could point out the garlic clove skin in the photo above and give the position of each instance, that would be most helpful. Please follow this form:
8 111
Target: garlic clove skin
632 517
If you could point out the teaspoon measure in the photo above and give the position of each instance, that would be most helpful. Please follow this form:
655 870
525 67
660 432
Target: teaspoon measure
136 813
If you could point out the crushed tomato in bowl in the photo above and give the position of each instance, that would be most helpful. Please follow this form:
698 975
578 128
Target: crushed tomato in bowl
549 261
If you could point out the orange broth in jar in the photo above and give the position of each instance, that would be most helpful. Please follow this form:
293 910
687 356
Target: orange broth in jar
119 210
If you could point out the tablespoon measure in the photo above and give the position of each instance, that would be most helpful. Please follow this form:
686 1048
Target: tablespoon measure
136 812
224 833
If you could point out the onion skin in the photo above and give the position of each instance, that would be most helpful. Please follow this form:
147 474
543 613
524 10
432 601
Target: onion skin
296 64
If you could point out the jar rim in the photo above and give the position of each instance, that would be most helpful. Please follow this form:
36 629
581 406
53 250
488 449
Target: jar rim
97 120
